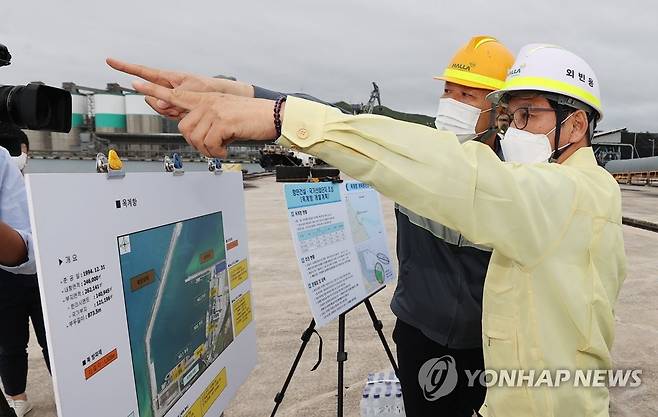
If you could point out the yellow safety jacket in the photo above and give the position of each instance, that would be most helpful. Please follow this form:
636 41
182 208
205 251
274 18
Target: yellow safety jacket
558 253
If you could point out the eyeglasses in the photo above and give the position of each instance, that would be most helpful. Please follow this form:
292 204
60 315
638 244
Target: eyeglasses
521 115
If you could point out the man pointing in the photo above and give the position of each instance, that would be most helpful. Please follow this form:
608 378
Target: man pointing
438 299
555 228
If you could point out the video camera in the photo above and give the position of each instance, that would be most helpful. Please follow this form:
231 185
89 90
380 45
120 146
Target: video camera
34 106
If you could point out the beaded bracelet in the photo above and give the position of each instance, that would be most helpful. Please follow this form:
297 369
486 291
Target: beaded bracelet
277 114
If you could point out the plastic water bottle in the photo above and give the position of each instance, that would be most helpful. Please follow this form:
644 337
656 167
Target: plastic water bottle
377 409
365 405
398 411
392 376
388 402
384 395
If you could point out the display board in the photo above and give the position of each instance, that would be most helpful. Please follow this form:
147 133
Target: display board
340 242
146 291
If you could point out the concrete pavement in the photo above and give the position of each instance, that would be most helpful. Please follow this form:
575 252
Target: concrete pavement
282 313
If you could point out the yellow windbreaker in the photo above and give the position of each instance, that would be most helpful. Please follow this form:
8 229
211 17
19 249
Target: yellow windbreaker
558 253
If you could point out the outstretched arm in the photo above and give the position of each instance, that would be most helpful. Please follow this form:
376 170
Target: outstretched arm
180 80
465 187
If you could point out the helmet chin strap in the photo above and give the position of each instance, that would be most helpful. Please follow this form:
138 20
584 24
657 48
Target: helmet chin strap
559 120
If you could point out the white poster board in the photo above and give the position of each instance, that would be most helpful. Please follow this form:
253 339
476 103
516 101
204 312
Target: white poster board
340 243
145 288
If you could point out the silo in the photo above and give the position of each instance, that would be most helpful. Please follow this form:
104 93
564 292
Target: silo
140 117
171 126
636 165
39 141
110 112
71 141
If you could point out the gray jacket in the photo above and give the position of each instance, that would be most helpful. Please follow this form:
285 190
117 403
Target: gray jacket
440 280
441 274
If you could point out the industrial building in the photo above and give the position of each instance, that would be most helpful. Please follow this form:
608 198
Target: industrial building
622 144
628 156
119 118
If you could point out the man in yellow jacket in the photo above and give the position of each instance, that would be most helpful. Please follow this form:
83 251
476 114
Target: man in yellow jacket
438 297
555 228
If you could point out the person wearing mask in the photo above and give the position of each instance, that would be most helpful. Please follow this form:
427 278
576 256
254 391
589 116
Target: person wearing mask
21 160
438 299
15 236
502 121
550 213
20 302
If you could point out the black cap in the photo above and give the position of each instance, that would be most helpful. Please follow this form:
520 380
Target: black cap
5 56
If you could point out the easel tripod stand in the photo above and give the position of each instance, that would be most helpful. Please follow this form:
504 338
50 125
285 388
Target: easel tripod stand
341 356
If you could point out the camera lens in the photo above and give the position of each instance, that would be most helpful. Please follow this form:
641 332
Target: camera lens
36 106
5 111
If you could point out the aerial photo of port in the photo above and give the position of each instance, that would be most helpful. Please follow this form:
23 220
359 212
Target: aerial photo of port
163 270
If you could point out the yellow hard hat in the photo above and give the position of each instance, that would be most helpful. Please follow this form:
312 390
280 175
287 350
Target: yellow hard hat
482 63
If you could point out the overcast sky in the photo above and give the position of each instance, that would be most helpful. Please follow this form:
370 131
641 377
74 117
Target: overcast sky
333 49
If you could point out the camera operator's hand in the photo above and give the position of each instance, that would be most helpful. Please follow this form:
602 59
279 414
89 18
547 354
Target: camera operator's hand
182 81
210 121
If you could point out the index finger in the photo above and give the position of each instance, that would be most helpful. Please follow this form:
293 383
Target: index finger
141 71
185 99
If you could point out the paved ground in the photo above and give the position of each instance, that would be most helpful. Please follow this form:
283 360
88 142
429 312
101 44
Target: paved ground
282 314
636 339
640 202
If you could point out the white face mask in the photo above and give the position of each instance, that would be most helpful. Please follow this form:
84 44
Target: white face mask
20 161
527 148
458 118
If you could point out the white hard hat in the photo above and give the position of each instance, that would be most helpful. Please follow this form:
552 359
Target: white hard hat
552 69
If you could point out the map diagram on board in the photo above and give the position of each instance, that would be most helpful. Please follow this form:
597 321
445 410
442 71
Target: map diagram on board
177 304
369 235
